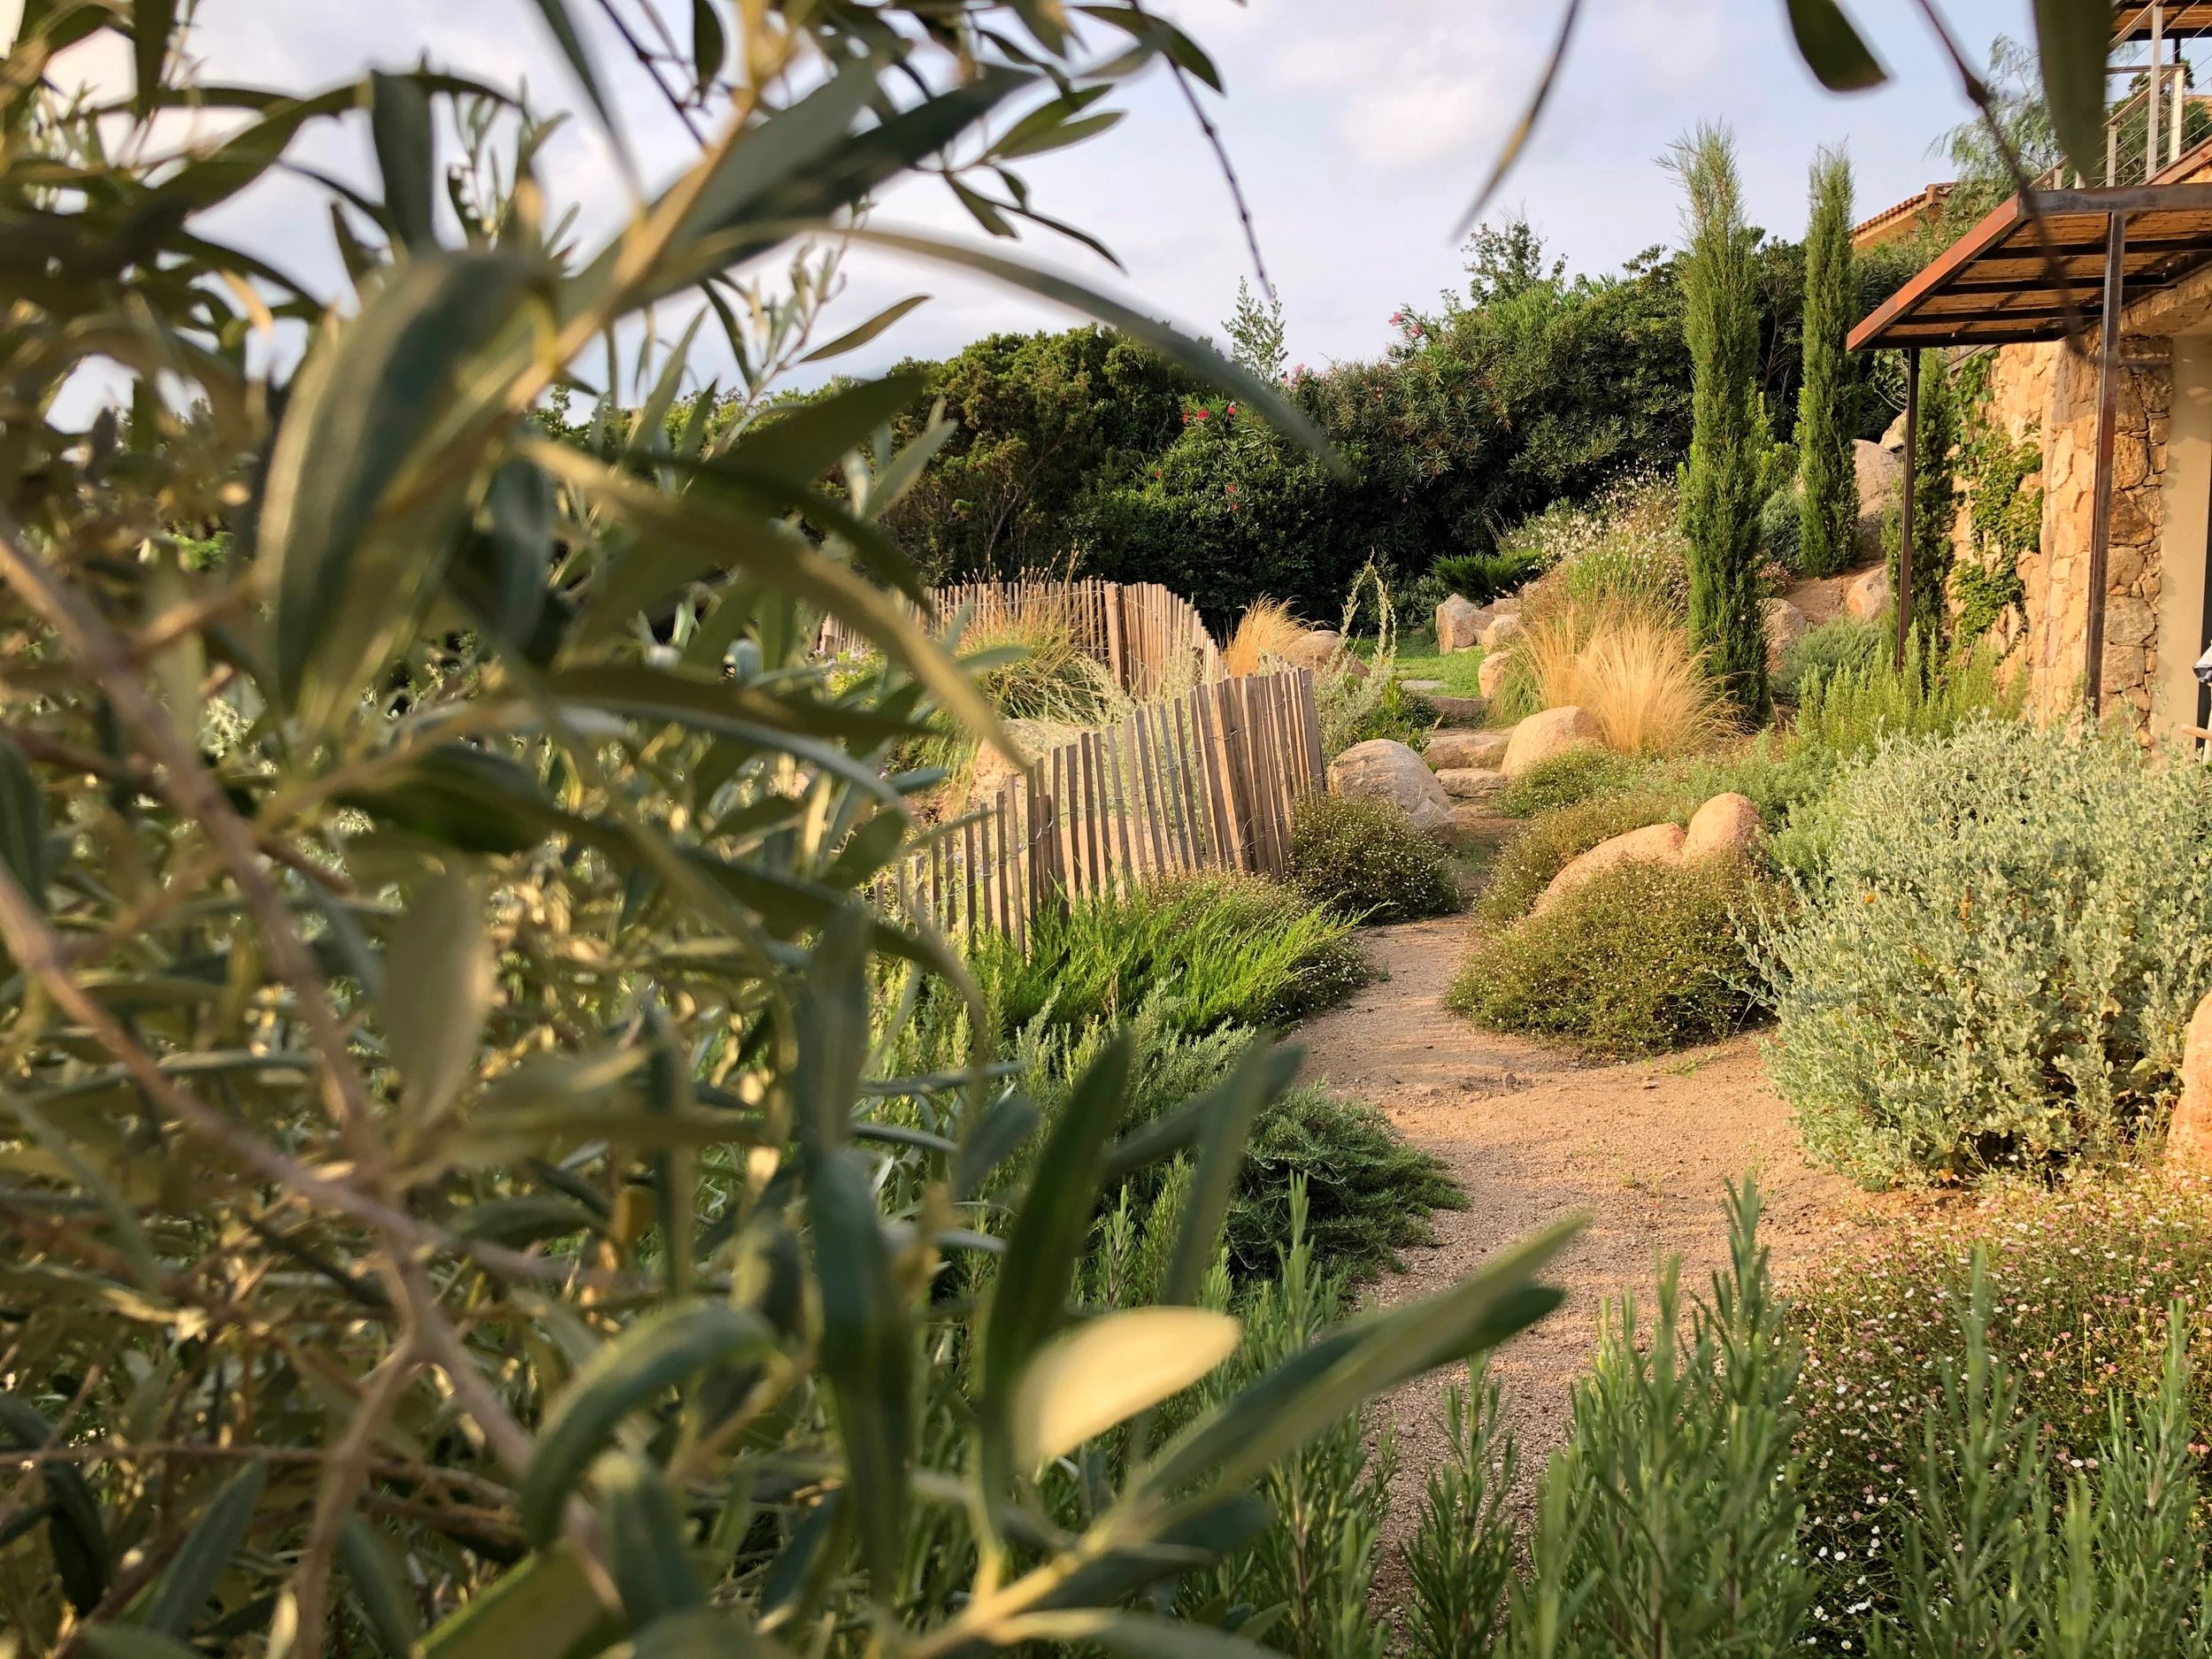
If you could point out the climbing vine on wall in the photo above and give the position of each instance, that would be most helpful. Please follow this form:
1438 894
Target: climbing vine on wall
2004 510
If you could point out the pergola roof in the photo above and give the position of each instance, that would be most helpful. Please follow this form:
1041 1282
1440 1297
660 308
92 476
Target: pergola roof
2003 282
2134 22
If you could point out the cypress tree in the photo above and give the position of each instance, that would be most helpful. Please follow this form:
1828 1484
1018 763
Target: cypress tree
1729 436
1828 397
1935 501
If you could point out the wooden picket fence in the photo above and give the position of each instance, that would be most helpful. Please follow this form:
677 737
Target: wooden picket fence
1208 781
1148 636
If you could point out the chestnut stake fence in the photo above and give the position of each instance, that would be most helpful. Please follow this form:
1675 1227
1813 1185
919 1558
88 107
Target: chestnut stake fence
1206 780
1148 636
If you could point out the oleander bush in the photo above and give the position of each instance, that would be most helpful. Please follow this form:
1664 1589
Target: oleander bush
1990 965
1638 961
1363 858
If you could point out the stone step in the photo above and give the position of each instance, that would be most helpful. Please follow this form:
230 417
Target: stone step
1471 783
1449 749
1460 711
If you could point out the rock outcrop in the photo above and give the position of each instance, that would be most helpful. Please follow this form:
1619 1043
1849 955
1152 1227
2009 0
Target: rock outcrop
1459 625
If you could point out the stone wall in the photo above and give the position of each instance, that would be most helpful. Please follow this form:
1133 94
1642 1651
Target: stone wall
2047 389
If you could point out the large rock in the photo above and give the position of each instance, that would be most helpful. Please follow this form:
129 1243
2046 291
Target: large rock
1323 650
1471 783
1894 434
1554 732
1505 628
1659 844
1459 711
1725 824
1450 750
1785 625
1459 625
2189 1134
1313 649
1388 770
1881 473
1868 598
1491 674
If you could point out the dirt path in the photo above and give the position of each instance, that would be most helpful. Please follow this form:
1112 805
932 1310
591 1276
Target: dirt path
1531 1135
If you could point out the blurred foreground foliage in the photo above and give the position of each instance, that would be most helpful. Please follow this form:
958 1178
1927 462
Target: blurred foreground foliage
460 1191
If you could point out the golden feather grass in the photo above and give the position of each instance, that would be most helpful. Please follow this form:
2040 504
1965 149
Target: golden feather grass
1265 630
1633 671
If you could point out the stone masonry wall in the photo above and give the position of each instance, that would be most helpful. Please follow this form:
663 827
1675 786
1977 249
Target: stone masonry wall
2046 388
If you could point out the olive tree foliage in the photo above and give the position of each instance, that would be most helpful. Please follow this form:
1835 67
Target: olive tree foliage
1827 399
1729 435
470 1181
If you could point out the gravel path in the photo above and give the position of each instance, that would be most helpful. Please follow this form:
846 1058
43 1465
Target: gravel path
1531 1134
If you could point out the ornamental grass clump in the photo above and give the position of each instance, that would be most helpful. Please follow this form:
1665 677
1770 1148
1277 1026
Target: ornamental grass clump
1220 949
1362 857
1991 965
1630 668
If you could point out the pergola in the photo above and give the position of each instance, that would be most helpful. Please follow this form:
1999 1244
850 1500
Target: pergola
2044 267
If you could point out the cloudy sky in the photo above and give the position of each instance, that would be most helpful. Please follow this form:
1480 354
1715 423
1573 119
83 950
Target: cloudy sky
1360 127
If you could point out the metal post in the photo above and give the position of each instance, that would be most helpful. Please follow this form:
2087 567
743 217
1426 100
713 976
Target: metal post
2116 248
1903 596
2150 122
2175 99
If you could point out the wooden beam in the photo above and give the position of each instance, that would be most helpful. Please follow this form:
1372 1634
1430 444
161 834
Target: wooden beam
1902 597
2131 198
2101 508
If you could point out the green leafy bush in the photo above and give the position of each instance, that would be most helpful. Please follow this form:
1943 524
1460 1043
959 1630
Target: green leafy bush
1370 1195
1643 959
1840 644
1568 779
1221 949
1852 711
1991 962
1482 577
1363 858
1553 840
1782 527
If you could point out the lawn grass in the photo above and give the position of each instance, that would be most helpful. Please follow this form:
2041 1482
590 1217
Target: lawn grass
1417 660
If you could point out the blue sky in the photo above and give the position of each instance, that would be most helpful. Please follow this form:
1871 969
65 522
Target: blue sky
1360 129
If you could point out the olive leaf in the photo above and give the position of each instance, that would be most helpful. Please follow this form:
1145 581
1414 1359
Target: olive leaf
2072 38
436 988
1831 48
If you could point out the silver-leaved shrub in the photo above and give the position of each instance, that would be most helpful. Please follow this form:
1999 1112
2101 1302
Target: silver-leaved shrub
1993 965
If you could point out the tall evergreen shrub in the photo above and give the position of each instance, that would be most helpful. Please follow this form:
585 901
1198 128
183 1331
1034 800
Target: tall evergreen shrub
1935 499
1827 397
1728 435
